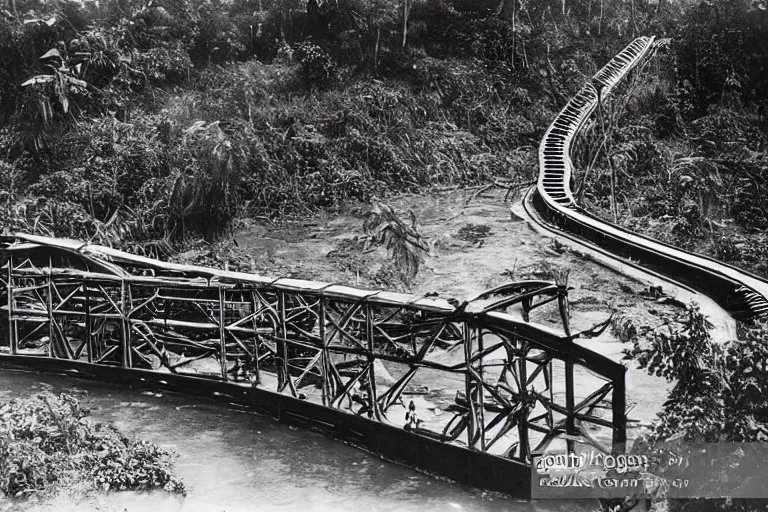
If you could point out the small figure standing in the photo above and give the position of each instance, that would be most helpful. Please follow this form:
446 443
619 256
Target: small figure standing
411 420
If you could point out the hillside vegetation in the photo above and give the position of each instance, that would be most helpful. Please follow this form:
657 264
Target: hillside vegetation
682 155
155 125
147 124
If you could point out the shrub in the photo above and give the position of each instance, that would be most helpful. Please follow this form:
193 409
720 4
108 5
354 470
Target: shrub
45 441
317 66
719 397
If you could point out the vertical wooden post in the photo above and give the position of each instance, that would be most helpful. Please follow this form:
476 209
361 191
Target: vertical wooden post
13 338
222 335
257 338
522 425
49 306
570 403
562 302
372 402
619 406
88 322
282 347
327 396
480 392
125 332
472 421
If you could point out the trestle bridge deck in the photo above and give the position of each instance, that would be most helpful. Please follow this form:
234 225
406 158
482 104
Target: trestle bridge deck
331 357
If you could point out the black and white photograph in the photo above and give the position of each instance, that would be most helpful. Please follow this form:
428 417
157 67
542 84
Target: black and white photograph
383 255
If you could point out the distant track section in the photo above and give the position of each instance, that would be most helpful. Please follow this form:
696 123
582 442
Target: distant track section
742 294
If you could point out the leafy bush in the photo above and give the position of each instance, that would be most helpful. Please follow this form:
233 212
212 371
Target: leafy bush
719 392
317 66
45 442
719 395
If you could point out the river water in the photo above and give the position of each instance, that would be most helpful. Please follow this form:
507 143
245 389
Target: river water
235 461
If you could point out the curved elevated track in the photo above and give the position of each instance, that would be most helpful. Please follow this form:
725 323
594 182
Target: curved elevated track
742 294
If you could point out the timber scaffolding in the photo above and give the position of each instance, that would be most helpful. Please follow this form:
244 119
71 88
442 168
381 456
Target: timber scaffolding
326 356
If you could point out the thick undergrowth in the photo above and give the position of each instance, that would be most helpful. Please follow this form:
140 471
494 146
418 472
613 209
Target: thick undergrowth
145 125
47 444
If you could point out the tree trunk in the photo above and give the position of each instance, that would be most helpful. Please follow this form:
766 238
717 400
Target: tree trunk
514 32
14 11
634 22
600 23
406 12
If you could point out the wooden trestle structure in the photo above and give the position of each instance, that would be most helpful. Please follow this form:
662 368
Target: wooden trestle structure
323 355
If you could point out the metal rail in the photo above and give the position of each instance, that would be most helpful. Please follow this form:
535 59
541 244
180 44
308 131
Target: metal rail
743 294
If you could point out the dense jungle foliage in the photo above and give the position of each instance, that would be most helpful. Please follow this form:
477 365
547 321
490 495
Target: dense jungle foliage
47 443
717 398
147 124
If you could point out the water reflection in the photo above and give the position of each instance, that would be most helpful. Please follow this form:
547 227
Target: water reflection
234 461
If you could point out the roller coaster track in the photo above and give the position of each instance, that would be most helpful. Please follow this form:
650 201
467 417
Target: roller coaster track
740 293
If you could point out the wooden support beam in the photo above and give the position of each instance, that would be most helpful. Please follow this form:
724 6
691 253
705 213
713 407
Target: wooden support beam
570 403
12 333
480 390
562 302
282 346
471 426
391 396
524 450
49 310
327 384
125 332
222 335
619 411
88 324
256 369
63 301
372 400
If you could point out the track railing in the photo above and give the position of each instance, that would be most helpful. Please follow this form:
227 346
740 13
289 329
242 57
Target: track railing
742 294
330 356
